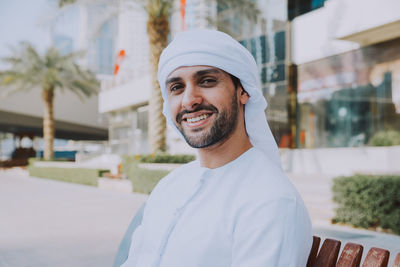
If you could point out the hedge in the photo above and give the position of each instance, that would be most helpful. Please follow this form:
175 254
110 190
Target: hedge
72 175
385 138
165 158
368 201
143 180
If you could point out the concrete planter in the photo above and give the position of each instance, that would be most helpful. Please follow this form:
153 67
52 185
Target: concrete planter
342 161
159 166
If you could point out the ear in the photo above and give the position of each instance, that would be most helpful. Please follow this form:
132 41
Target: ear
244 96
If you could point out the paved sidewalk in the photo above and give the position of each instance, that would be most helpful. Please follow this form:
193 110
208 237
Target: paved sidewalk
49 223
315 189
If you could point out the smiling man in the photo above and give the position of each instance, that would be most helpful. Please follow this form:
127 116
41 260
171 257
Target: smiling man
234 206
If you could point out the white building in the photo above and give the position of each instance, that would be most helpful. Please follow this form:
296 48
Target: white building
347 55
69 30
288 37
124 97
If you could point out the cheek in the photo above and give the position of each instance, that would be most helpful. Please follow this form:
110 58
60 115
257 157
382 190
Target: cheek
174 106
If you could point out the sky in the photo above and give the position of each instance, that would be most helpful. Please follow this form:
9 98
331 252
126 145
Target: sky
24 20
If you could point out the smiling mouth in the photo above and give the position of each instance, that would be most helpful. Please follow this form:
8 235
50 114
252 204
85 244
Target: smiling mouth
197 115
198 118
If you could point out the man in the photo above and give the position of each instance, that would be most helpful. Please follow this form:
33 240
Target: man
234 206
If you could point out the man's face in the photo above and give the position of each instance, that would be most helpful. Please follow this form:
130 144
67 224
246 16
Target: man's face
203 103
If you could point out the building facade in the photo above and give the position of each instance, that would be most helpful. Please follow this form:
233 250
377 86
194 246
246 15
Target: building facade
347 57
328 70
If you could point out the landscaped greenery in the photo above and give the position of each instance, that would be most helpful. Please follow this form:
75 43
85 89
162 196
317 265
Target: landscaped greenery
73 175
368 201
143 180
165 158
50 72
386 138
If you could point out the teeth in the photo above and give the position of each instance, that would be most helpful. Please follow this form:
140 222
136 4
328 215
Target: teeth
201 117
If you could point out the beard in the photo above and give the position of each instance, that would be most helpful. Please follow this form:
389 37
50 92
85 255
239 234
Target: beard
222 128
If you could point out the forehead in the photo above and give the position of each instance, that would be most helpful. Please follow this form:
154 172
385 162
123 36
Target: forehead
194 70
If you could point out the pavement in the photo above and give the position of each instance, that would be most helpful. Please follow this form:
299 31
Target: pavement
51 223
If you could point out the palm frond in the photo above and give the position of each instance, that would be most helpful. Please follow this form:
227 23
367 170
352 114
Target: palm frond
62 3
246 8
159 8
27 69
241 11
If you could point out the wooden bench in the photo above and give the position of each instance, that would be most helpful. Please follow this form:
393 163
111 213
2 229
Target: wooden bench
351 255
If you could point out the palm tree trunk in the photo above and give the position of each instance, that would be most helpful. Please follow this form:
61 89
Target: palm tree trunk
48 122
157 30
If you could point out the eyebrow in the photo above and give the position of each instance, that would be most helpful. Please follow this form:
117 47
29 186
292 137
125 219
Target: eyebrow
173 79
197 74
207 71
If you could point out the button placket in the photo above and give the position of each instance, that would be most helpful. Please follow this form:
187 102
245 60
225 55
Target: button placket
177 214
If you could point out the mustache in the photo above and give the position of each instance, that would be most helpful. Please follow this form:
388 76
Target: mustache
197 108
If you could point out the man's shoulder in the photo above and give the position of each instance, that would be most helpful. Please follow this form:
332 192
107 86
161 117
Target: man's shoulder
257 164
175 175
262 176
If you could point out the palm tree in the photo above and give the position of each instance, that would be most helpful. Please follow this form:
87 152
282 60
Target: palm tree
158 29
51 71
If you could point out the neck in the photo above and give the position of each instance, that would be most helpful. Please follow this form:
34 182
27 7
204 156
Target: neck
226 151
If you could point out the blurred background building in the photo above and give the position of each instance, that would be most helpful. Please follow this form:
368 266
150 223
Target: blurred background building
330 70
21 113
348 73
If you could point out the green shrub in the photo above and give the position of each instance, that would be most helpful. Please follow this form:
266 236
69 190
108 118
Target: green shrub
72 175
385 138
31 161
143 180
165 158
368 201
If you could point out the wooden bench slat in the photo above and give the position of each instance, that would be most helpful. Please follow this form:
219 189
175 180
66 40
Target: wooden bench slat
376 257
397 261
314 250
350 256
328 254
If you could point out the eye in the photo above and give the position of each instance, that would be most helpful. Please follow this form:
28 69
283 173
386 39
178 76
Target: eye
175 87
208 81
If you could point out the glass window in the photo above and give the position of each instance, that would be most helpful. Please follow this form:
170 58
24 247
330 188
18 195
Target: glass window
253 48
264 49
345 100
279 41
317 4
278 73
102 50
244 43
264 75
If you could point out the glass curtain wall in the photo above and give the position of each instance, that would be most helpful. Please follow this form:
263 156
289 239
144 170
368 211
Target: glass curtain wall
101 50
345 99
128 131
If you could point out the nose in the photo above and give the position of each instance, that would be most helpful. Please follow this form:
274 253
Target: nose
191 97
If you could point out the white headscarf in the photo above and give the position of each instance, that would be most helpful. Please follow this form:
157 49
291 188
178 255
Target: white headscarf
217 49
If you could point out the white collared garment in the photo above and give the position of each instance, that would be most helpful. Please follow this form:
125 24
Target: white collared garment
243 214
